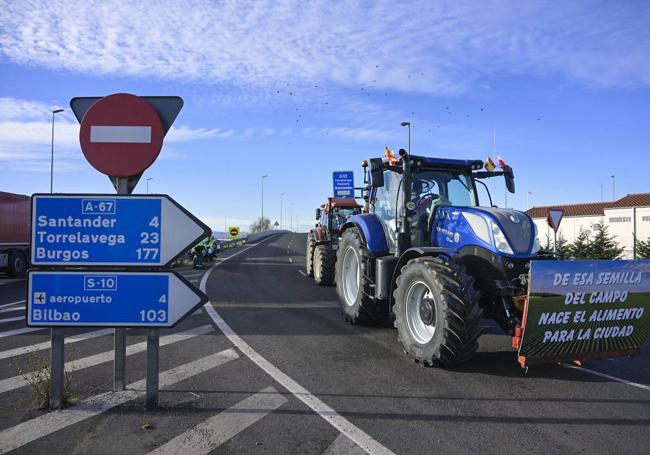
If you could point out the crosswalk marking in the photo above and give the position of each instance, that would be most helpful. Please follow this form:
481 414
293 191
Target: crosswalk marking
19 381
214 431
344 446
9 310
17 318
46 344
12 303
31 430
10 333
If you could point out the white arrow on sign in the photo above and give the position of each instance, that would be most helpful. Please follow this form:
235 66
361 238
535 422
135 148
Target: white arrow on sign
554 217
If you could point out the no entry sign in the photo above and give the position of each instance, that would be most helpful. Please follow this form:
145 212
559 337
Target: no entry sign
121 135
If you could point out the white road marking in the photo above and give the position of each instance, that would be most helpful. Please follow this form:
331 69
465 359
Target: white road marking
214 431
97 359
358 436
31 430
120 134
16 308
342 445
290 260
302 273
10 333
607 376
46 344
12 303
16 318
192 275
194 281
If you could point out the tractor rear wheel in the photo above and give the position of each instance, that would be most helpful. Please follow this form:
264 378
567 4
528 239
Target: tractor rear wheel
309 255
437 313
352 284
324 265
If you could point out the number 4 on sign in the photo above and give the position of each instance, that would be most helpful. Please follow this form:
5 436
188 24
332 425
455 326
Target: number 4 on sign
154 222
163 299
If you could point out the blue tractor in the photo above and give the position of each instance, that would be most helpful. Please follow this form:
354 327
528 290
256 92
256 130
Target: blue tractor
427 254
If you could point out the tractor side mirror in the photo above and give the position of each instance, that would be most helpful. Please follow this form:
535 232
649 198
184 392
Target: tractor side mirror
376 173
318 212
509 175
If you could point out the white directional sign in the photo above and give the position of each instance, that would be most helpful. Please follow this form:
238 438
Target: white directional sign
554 217
101 230
109 298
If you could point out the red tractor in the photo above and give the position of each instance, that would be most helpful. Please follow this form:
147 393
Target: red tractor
322 241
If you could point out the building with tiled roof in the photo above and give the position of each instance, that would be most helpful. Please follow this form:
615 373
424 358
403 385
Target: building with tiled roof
626 218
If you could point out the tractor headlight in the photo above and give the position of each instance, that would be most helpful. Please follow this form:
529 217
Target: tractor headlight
500 241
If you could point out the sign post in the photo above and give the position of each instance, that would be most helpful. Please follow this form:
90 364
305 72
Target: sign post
554 218
120 135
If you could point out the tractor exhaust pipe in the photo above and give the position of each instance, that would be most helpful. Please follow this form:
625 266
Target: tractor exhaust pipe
404 235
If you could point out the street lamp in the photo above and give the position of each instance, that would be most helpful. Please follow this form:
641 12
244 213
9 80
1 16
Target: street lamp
613 187
150 178
262 220
408 124
281 196
291 225
55 111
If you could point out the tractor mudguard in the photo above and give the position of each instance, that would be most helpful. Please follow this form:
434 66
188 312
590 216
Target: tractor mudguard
372 232
409 254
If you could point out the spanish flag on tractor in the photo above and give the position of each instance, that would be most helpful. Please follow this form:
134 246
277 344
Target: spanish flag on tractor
390 155
502 164
489 164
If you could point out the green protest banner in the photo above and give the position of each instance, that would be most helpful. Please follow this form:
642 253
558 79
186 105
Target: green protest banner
582 309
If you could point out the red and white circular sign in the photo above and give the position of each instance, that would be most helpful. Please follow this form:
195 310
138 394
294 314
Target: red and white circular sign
121 135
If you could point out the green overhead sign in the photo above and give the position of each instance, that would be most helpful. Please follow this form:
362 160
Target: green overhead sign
582 309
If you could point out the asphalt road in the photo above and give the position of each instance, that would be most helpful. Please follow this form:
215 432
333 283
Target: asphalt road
290 376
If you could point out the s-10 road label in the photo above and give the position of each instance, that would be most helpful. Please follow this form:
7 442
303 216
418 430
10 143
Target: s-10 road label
110 230
107 298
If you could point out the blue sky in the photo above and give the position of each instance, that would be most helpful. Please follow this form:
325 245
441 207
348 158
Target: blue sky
296 90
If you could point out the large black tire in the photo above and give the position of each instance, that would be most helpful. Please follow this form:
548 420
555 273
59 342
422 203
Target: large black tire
357 304
17 264
324 265
309 255
448 306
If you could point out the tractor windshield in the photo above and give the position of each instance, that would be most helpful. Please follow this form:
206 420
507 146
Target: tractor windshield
340 215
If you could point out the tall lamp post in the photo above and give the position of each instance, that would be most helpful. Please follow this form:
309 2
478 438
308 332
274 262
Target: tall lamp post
150 178
291 225
281 198
408 124
262 220
613 187
55 111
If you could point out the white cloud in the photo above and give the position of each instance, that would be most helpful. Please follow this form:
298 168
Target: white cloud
440 48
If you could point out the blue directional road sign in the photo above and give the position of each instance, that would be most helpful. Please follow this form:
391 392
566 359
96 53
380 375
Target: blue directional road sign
103 230
109 298
343 184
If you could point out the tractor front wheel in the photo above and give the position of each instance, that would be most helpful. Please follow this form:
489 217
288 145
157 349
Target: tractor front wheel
309 255
352 284
437 313
324 265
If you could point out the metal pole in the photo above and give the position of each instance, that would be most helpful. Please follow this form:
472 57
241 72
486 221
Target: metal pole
52 158
291 225
262 220
613 187
153 339
554 242
119 337
409 138
281 198
57 368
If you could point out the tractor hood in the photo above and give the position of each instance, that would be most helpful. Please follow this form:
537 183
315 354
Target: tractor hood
503 231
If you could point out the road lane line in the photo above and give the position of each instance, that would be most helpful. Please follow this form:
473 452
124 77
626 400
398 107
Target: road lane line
342 445
9 310
31 430
10 333
16 382
17 318
290 260
214 431
607 376
46 344
358 436
302 273
12 303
